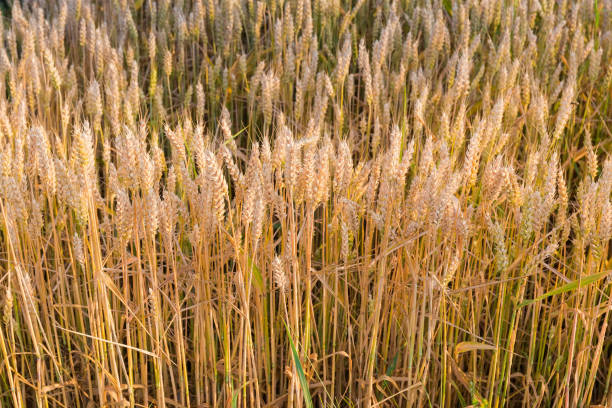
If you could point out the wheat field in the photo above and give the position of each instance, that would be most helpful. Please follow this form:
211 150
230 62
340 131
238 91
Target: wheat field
305 203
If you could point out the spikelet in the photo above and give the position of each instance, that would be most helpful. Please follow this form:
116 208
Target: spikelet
307 173
35 221
177 143
112 97
343 168
169 216
495 119
153 304
253 170
44 162
266 157
225 126
77 246
269 92
462 81
590 155
501 254
56 80
167 63
373 183
562 198
188 185
492 180
321 183
7 307
83 155
83 32
420 91
93 103
550 182
344 61
451 270
565 109
217 184
151 206
344 240
280 276
604 182
293 167
402 169
526 216
199 101
605 223
234 171
124 216
258 215
366 73
152 46
472 156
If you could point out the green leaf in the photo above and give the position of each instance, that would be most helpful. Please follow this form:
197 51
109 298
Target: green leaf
256 274
392 366
237 392
448 6
300 370
568 287
235 398
237 133
390 369
596 15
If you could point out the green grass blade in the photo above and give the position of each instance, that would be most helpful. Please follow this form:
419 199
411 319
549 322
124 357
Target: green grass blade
448 6
568 287
300 370
596 6
256 273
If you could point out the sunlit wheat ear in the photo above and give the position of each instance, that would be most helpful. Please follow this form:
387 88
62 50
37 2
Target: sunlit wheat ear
7 306
44 159
501 255
56 80
270 84
218 185
200 101
152 212
472 156
27 292
293 167
93 103
83 155
343 168
321 182
591 156
232 168
366 72
258 215
344 60
77 245
565 108
605 223
451 270
266 163
225 126
124 216
308 172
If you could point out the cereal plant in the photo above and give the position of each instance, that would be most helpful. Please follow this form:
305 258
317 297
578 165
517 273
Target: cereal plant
306 203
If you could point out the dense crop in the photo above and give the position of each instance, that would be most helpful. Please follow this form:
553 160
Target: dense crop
306 203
